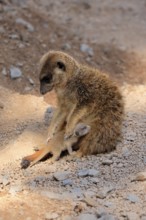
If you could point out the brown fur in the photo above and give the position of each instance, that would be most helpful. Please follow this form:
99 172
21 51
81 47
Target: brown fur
84 95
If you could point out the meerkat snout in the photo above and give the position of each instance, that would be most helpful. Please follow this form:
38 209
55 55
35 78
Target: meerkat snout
46 84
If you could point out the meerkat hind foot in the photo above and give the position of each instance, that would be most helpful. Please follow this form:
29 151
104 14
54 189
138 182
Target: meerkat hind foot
53 159
74 155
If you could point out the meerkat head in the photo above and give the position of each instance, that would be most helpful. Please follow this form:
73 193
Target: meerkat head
81 129
55 69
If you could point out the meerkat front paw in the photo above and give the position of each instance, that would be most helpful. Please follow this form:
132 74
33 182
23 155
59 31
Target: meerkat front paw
50 136
67 136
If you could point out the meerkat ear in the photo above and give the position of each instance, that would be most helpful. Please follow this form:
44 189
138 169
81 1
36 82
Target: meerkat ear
61 65
82 129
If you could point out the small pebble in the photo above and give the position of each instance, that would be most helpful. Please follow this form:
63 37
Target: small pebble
31 81
93 172
25 24
88 172
107 162
60 176
133 198
83 173
5 181
15 73
66 46
107 217
86 49
67 182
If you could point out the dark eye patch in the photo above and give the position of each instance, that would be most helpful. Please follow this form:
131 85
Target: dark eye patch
47 79
61 65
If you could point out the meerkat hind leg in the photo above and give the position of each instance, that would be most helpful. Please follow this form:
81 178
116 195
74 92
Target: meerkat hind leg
75 154
69 149
54 158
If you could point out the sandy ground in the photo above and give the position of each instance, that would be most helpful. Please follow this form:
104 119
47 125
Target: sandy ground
94 187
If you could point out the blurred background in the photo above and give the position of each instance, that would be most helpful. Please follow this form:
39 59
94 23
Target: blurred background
107 34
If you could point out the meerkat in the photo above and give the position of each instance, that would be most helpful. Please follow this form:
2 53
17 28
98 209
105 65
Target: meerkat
86 95
57 145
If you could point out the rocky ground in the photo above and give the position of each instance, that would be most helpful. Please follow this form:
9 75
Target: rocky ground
109 35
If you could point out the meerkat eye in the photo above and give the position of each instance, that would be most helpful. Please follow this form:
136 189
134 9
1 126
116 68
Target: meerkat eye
61 65
77 133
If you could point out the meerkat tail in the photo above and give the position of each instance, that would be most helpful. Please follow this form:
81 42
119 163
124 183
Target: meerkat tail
39 155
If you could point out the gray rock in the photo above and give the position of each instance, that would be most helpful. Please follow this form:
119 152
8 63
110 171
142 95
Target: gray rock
107 162
83 173
108 204
120 165
89 193
67 182
60 176
50 216
144 159
86 217
4 72
25 24
90 201
31 81
88 172
86 49
107 217
14 36
77 192
125 152
95 180
133 198
132 216
66 46
5 180
93 172
100 212
101 194
130 136
15 72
